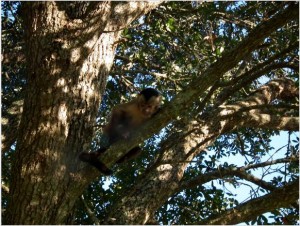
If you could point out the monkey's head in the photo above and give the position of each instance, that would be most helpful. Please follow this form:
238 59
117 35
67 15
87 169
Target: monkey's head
149 101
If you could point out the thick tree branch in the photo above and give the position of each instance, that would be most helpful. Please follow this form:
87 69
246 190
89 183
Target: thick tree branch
276 89
280 108
235 116
249 210
254 119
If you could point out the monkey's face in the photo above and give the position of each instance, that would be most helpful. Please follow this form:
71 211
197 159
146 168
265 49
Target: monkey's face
150 107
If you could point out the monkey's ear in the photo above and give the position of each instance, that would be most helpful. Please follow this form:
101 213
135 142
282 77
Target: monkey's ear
160 99
141 99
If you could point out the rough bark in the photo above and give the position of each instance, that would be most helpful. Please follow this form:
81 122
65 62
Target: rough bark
68 56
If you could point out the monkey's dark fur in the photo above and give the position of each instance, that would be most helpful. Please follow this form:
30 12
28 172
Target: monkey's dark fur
125 118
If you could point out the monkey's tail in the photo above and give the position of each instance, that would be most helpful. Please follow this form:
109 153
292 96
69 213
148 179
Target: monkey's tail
92 159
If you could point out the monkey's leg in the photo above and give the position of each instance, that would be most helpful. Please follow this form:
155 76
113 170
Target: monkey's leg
92 159
133 153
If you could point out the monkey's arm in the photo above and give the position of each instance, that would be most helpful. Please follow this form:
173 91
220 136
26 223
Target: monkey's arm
119 124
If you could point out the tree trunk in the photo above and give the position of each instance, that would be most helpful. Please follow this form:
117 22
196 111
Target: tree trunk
70 50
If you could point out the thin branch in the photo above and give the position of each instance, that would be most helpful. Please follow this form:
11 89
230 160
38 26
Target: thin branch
255 180
234 171
249 210
5 188
270 63
232 19
268 163
90 212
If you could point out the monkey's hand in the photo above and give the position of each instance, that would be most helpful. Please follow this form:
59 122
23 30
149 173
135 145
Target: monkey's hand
123 131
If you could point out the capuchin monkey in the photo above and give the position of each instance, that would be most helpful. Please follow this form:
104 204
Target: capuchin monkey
125 118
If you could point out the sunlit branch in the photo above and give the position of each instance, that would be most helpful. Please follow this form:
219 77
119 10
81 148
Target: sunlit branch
257 120
5 188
